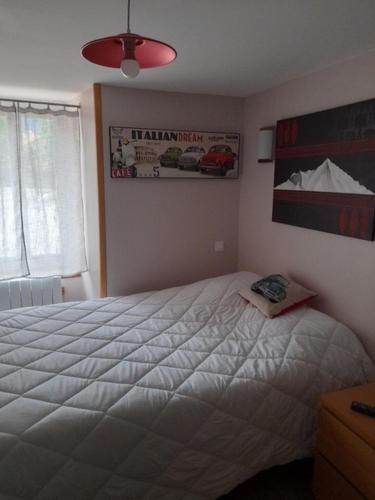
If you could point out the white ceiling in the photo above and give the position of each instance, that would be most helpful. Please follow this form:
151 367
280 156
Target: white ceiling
232 47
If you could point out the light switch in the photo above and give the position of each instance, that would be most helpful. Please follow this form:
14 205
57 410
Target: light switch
219 246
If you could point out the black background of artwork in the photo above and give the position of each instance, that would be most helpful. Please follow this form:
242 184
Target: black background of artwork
345 123
317 217
331 129
350 122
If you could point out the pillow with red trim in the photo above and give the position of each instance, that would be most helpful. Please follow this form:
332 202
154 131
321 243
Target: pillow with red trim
276 294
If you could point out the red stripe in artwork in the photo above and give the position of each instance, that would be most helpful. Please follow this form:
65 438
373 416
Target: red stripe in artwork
320 198
328 149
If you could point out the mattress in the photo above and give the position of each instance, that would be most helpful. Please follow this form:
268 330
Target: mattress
175 394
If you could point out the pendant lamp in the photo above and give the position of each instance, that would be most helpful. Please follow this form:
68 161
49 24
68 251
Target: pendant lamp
128 51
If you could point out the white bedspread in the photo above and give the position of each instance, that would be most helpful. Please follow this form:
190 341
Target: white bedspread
176 394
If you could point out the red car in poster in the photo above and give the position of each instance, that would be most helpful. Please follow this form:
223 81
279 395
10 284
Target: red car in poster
220 157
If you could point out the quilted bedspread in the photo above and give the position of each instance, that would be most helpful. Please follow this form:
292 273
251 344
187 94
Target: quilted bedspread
176 394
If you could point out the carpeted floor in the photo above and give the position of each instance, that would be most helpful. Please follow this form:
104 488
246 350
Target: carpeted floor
286 482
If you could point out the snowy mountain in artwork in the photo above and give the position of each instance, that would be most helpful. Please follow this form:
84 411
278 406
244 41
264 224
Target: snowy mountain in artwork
328 177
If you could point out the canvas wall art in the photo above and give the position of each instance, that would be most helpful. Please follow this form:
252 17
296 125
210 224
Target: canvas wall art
151 153
325 171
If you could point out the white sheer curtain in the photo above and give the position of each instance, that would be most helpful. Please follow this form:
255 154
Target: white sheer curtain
12 248
41 219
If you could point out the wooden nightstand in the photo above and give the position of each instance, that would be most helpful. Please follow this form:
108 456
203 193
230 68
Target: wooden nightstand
345 447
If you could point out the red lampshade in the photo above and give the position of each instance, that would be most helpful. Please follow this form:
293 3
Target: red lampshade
110 51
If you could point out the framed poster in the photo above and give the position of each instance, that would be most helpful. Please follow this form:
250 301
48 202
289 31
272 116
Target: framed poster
153 153
325 171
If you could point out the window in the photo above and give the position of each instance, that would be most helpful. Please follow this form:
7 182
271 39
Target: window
41 212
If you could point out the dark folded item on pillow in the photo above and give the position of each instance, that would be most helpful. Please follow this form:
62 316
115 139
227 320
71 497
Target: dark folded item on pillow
276 294
272 288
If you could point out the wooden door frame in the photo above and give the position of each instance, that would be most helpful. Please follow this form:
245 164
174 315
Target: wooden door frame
98 114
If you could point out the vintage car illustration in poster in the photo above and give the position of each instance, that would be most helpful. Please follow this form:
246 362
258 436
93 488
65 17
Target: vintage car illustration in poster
152 153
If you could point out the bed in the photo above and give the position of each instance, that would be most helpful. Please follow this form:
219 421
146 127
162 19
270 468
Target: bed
175 394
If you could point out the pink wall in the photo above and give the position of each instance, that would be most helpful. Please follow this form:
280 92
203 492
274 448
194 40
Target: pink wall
161 233
341 269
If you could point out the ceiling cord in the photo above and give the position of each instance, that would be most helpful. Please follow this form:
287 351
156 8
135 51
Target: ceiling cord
128 29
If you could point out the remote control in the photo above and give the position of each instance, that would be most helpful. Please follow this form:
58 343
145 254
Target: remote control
363 408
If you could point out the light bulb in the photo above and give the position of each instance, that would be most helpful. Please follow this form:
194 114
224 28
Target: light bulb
130 68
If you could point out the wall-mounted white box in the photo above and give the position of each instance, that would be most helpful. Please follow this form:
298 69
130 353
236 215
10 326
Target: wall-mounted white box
266 144
219 246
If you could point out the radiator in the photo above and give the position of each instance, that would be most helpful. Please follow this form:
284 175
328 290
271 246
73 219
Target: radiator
30 292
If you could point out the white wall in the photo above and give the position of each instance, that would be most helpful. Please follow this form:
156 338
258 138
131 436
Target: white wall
160 232
340 269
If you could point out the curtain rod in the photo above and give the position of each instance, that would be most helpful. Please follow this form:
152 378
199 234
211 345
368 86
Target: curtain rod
41 102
